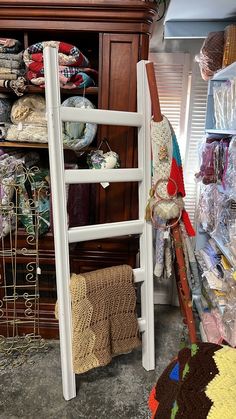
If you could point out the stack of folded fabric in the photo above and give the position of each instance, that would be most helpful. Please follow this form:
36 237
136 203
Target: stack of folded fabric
74 69
28 116
12 65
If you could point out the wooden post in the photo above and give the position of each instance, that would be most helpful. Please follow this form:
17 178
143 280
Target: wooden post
157 116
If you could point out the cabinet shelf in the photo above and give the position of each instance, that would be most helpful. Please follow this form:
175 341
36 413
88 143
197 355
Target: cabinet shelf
36 89
221 131
19 144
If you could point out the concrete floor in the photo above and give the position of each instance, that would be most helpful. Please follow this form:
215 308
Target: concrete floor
120 390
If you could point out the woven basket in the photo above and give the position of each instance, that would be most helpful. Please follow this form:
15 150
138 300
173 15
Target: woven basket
211 54
229 45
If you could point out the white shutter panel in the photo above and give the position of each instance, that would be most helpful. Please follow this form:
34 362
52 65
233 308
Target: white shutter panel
195 133
172 72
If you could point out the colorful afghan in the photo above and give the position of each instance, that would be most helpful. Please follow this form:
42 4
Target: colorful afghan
200 384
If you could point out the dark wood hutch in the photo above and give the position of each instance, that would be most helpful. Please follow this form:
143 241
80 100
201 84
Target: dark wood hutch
115 36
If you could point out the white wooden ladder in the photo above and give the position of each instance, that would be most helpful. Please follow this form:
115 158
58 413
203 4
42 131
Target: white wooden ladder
56 114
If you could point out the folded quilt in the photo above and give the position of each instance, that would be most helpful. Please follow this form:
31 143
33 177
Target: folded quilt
19 72
104 320
11 63
8 76
68 55
10 45
70 77
10 57
27 133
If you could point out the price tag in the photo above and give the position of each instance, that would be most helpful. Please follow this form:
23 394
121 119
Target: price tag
166 234
38 270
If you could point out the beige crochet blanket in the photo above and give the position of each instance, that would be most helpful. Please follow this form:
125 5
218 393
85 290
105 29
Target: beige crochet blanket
104 320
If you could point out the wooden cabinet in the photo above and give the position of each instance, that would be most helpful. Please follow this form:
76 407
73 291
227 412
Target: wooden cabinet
114 34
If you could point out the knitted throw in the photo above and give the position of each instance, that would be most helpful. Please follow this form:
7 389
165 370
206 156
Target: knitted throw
104 320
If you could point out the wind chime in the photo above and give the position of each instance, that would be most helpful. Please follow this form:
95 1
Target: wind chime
165 207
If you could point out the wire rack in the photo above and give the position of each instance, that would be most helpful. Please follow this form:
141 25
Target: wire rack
22 197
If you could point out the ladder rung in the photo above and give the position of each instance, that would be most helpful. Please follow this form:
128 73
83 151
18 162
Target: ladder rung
139 275
102 231
100 116
142 324
106 175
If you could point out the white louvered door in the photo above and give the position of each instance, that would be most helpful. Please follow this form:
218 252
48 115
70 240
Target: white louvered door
194 134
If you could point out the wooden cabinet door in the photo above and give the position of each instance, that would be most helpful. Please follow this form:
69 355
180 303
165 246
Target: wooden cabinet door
119 54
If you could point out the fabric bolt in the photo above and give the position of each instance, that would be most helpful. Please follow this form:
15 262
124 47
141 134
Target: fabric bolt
104 320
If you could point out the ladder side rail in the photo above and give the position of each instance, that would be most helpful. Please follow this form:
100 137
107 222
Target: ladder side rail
146 246
56 158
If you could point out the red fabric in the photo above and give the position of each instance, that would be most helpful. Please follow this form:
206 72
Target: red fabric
176 173
188 225
153 403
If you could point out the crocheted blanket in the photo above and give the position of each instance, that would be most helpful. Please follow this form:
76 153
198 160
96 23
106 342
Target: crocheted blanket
104 320
199 384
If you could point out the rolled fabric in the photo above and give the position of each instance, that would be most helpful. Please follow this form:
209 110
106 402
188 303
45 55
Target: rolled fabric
77 135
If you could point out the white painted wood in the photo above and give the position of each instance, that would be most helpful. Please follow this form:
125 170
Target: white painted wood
142 325
55 145
103 231
100 116
62 236
139 275
146 249
108 175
